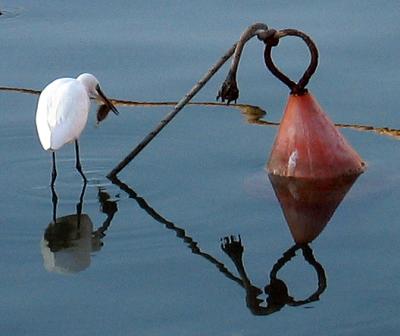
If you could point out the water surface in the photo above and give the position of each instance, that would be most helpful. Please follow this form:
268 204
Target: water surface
160 268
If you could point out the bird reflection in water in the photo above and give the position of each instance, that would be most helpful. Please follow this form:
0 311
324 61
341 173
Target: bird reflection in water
68 241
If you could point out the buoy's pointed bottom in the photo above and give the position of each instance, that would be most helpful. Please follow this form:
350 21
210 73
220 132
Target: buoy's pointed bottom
308 204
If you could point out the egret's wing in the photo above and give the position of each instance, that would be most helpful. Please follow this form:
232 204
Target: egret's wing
62 112
42 124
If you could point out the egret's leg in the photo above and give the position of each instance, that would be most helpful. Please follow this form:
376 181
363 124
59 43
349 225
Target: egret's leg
54 199
78 162
54 171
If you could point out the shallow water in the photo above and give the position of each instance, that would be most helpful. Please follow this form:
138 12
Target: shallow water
160 269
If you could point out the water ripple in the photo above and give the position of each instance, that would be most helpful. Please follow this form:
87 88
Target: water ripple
34 178
10 13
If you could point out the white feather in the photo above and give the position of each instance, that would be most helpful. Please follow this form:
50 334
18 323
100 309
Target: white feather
62 112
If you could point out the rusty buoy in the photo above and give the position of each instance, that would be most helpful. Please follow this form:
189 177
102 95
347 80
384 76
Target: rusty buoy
308 145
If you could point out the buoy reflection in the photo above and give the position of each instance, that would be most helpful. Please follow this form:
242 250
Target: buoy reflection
308 204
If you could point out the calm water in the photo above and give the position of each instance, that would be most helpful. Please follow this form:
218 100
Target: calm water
154 265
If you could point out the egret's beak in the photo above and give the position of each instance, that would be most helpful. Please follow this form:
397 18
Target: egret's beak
106 100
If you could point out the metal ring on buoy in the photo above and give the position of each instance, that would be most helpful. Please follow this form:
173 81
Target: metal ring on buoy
271 40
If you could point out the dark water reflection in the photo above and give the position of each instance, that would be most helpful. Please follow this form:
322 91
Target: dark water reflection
69 240
276 290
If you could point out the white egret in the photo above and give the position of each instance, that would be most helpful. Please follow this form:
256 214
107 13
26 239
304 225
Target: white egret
62 113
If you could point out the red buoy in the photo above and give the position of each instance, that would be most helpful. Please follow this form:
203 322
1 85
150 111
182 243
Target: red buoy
308 144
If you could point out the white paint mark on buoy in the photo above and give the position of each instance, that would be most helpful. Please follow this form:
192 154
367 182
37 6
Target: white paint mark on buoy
292 162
